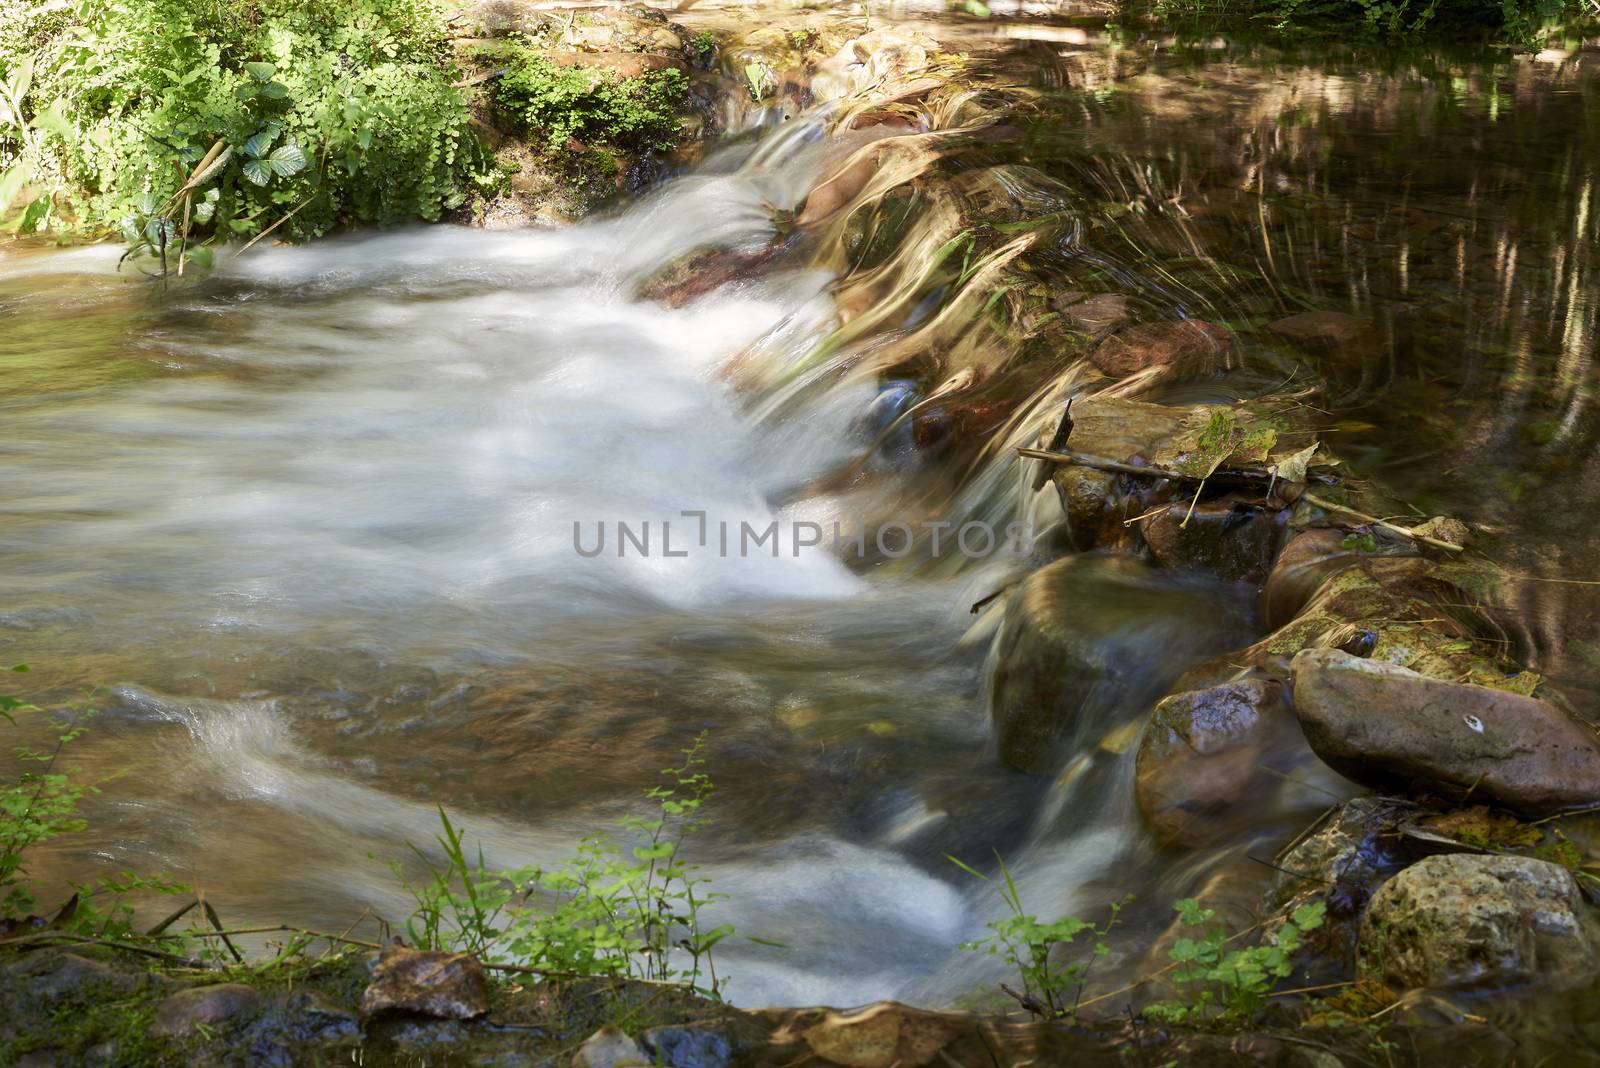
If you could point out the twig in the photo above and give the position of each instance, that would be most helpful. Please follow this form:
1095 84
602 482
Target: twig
1393 528
251 243
50 937
1312 989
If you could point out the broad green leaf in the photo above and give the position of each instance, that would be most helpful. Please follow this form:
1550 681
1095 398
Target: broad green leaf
21 79
287 159
54 119
244 91
11 183
257 146
257 171
275 91
35 215
261 72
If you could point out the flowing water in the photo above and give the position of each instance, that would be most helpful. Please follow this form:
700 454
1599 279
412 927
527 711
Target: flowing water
305 526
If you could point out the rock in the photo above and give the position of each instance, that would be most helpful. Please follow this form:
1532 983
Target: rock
689 1047
1096 314
1385 725
1115 429
624 65
885 1035
1319 327
1466 920
1307 560
1089 638
1225 537
1184 349
609 1047
878 60
1202 754
182 1013
447 985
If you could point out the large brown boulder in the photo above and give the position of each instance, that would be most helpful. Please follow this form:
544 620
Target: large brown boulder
1388 726
1461 920
1202 754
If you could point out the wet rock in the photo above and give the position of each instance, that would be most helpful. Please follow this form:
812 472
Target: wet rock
1115 429
610 1047
446 985
1328 328
1342 861
1307 560
1202 754
689 1047
184 1012
1385 725
1088 638
1226 537
1185 349
1467 920
880 60
1096 314
884 1035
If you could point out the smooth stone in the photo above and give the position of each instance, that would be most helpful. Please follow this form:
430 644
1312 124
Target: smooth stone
1202 754
1386 726
1461 920
183 1013
610 1047
689 1047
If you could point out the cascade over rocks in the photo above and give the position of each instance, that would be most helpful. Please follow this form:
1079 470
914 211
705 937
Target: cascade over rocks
1465 920
1086 638
1386 725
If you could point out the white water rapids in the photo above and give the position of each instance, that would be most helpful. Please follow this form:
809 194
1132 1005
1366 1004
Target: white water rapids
319 513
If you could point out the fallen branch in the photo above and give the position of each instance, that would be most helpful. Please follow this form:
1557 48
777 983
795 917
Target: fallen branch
1404 532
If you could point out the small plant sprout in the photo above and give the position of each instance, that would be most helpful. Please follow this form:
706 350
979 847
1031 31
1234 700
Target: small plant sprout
1050 988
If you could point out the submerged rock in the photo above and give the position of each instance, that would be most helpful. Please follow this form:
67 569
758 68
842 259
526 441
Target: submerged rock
1202 754
1467 920
447 985
1327 328
1383 725
1187 348
1087 639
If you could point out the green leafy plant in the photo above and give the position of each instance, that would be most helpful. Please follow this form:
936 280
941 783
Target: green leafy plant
1218 983
567 104
181 122
40 805
1050 988
608 910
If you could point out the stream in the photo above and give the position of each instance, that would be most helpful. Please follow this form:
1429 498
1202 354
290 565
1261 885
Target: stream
302 529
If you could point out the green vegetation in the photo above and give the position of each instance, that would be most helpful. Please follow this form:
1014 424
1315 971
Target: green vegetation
604 912
1518 22
1230 985
179 121
1050 988
40 805
565 104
